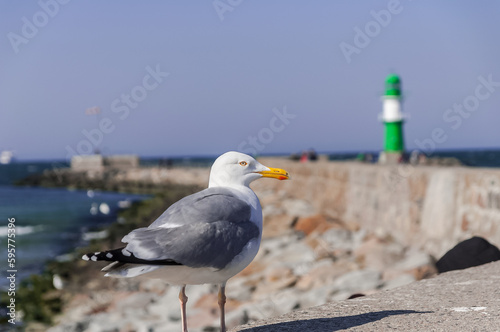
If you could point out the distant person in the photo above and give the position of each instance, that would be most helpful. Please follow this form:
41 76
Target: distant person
304 157
382 158
295 156
422 159
414 157
403 158
312 155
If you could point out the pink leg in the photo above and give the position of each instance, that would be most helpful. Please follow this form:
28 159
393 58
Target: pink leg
183 298
222 302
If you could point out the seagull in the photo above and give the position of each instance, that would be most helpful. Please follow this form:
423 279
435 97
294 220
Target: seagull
206 237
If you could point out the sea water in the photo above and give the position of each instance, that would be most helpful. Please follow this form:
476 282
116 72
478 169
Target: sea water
50 221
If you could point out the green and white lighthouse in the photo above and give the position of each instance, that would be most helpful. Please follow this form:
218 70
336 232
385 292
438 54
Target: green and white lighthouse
392 117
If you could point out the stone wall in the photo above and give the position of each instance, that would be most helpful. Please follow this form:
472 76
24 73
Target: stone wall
432 207
429 206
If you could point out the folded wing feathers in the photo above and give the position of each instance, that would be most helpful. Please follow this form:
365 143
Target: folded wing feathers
193 232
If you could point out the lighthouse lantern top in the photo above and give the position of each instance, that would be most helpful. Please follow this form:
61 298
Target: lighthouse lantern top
393 85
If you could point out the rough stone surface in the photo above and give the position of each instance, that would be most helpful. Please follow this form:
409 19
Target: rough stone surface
466 300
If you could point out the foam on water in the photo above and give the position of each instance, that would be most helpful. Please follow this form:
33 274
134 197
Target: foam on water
20 230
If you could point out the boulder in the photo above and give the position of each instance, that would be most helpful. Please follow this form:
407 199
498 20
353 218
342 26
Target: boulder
472 252
403 279
358 281
378 254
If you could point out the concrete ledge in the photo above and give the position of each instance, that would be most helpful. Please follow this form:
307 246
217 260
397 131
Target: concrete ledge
466 300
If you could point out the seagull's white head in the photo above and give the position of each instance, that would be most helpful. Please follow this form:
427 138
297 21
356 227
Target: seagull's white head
235 169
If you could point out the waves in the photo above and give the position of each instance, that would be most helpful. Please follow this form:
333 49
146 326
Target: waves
21 230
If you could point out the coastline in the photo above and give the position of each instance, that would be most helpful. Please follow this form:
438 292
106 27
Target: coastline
36 296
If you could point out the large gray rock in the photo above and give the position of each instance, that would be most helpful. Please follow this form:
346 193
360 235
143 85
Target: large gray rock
414 259
358 281
338 238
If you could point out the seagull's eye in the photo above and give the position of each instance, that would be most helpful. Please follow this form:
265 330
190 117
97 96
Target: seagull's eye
243 163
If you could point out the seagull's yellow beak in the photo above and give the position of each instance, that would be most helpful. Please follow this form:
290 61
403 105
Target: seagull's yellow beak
276 173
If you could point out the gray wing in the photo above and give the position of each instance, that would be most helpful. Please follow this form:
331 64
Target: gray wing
211 228
195 245
212 204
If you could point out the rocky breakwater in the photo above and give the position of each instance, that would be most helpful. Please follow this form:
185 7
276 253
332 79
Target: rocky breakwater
131 179
430 207
312 253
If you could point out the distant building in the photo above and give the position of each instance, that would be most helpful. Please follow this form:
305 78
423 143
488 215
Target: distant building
98 162
121 161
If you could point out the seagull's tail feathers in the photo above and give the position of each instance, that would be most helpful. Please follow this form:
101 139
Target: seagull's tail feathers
125 264
124 270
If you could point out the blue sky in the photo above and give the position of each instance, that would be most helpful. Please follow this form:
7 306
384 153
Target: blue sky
205 77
